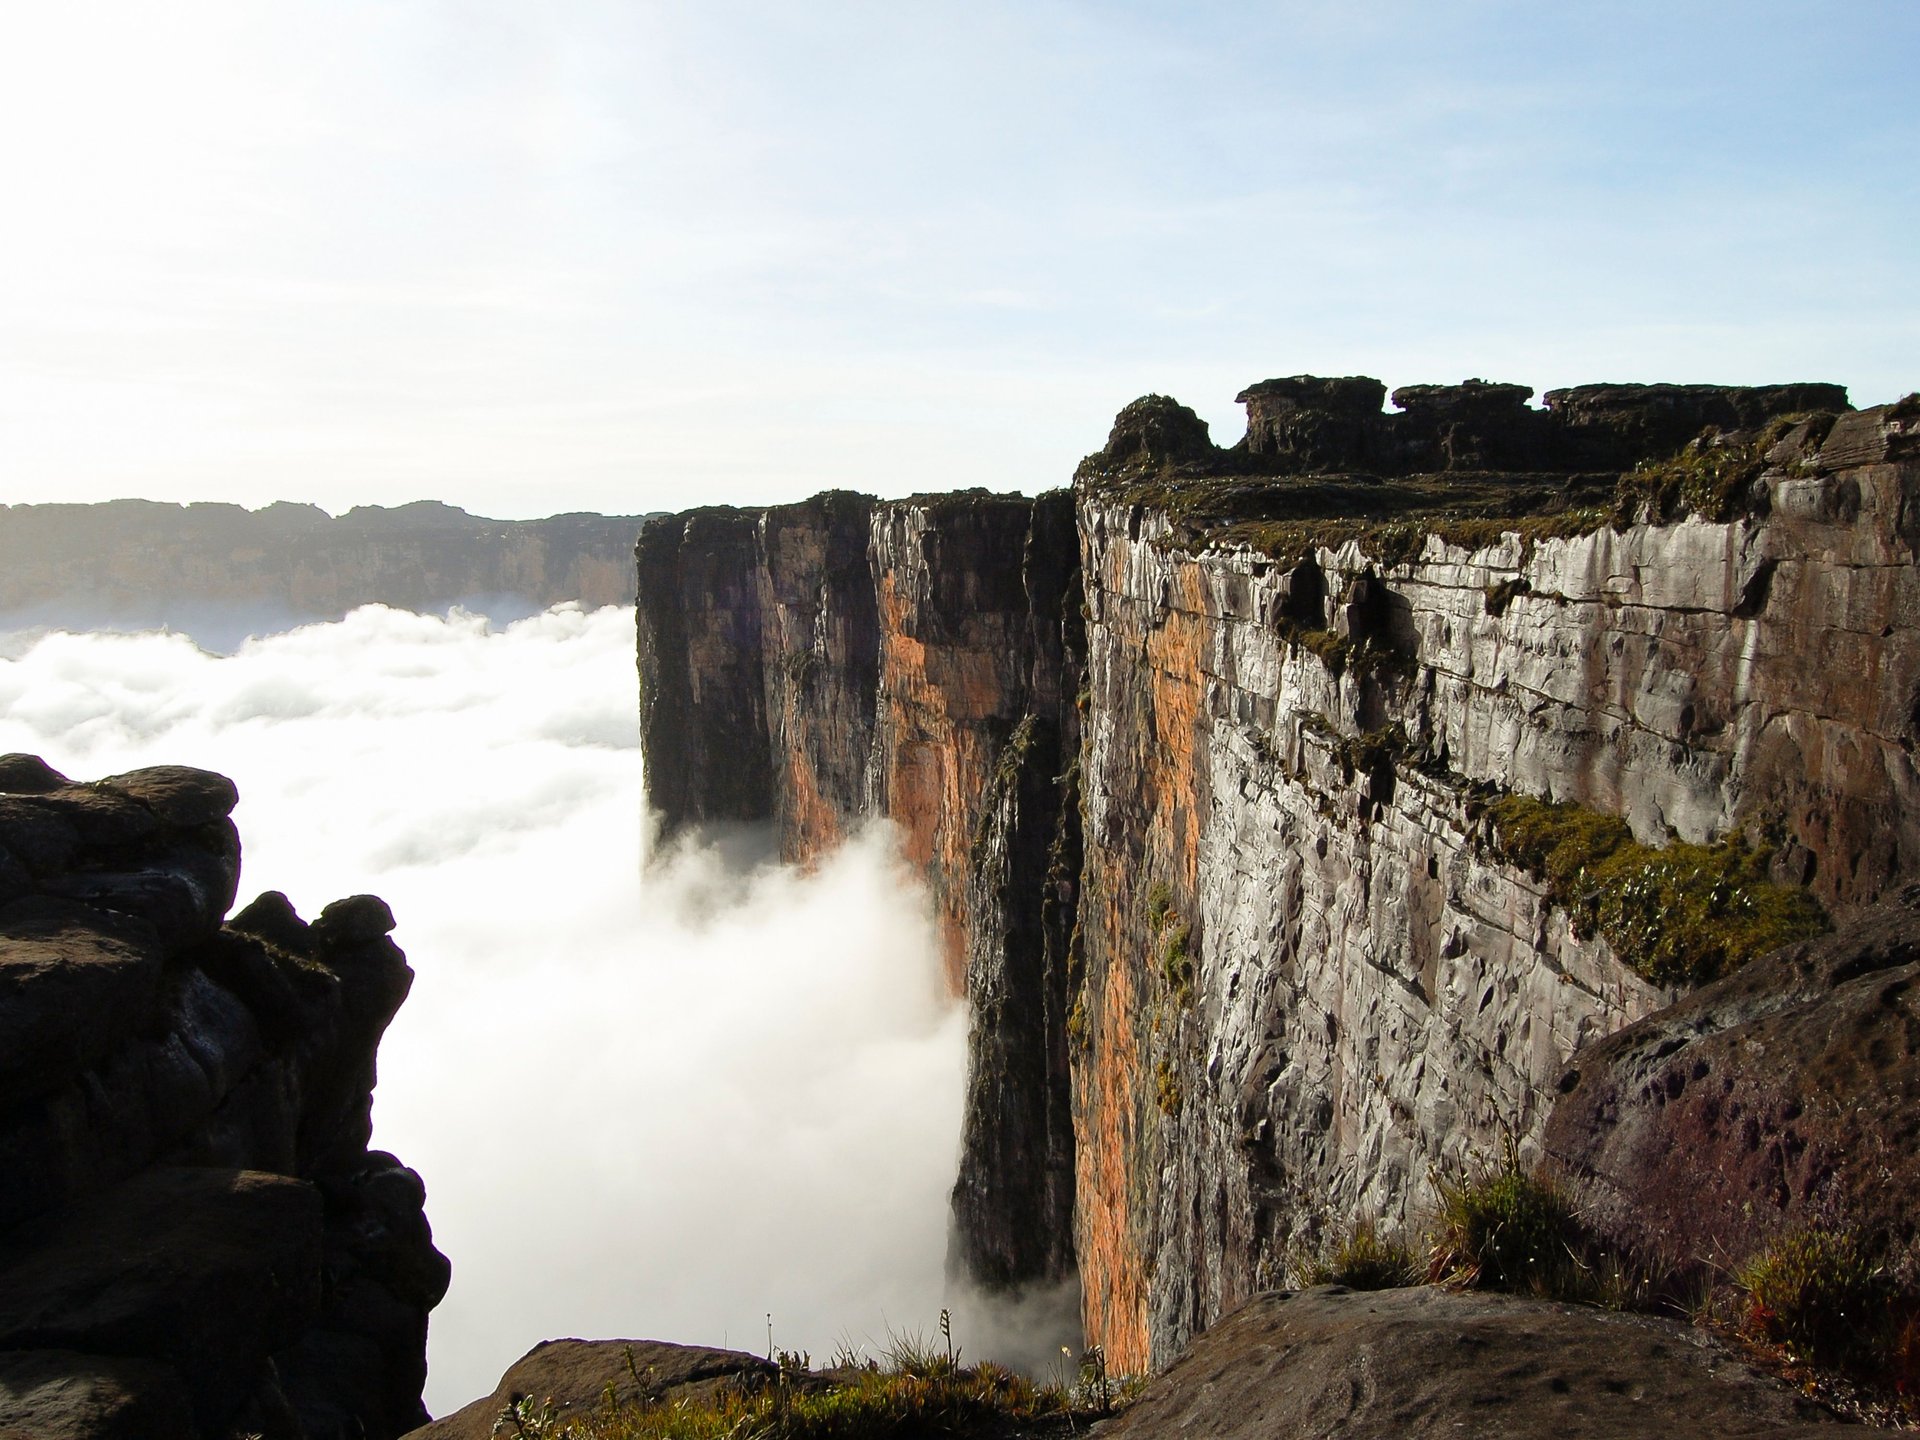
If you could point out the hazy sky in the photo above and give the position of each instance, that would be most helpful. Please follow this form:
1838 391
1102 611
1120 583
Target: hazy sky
653 1107
527 257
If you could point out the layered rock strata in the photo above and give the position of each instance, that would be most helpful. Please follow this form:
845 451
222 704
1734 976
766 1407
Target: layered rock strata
195 1239
143 562
1301 977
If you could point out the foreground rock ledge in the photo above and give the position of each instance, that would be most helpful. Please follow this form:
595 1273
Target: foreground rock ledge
1397 1363
577 1375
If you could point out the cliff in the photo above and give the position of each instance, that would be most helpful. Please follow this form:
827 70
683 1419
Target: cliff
143 562
195 1240
1296 810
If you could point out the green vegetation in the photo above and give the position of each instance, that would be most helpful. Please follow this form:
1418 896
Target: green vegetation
1680 915
1176 963
1501 1229
1159 903
1712 477
1365 1258
921 1391
1826 1297
1167 1093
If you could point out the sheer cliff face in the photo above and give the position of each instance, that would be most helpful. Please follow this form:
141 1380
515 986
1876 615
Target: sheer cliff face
1298 976
844 659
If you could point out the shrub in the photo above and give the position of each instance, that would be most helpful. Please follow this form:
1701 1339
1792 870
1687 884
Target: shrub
1825 1296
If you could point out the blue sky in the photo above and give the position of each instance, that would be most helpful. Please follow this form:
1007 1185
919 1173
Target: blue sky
528 257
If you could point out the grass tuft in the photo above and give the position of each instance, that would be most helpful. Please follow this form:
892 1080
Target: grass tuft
1365 1258
1501 1229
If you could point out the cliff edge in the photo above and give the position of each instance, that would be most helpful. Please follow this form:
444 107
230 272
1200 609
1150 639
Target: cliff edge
1295 810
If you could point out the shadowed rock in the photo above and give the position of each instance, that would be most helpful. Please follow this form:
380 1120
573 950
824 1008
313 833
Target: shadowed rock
1391 1364
1787 1094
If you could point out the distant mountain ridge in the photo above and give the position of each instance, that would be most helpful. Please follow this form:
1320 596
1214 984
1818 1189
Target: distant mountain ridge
145 562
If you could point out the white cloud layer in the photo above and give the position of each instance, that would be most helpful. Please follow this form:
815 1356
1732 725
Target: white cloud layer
655 1105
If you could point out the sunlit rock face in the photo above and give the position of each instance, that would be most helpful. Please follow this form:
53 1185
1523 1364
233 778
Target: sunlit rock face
194 1237
144 562
1233 905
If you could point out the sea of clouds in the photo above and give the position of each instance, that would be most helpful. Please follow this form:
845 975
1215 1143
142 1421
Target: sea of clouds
653 1096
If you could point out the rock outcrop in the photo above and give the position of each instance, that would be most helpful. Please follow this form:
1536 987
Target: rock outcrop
143 562
195 1239
1256 857
1386 1364
1784 1097
581 1378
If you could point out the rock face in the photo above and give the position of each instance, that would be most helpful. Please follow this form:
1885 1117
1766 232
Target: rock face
141 562
1784 1096
1249 858
1384 1364
575 1377
194 1236
825 663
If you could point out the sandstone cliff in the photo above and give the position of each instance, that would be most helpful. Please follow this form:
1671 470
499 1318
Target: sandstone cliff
142 562
195 1240
1223 770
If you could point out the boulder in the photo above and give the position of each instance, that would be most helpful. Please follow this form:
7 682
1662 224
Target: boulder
62 1395
576 1375
207 1271
1784 1095
1390 1364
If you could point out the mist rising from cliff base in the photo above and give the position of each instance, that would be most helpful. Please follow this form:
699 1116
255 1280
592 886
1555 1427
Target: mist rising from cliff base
652 1105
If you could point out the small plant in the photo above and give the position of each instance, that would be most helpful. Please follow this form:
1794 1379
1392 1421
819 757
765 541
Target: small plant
1501 1229
1176 963
1167 1093
1825 1296
1365 1258
1159 903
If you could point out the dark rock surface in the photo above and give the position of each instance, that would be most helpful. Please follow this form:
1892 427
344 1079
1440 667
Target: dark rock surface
1388 1364
1322 425
576 1375
1786 1095
62 1395
193 1232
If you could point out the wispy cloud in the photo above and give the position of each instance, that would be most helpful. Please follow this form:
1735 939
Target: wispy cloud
655 1105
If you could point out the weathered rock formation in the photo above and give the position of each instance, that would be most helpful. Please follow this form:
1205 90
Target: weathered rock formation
1388 1364
1222 795
195 1240
1785 1096
582 1378
142 562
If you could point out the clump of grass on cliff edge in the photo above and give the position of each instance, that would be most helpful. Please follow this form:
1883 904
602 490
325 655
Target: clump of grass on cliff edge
1501 1229
1365 1258
1679 915
921 1391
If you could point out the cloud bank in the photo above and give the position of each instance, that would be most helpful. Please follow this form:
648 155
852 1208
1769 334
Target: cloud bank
659 1105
